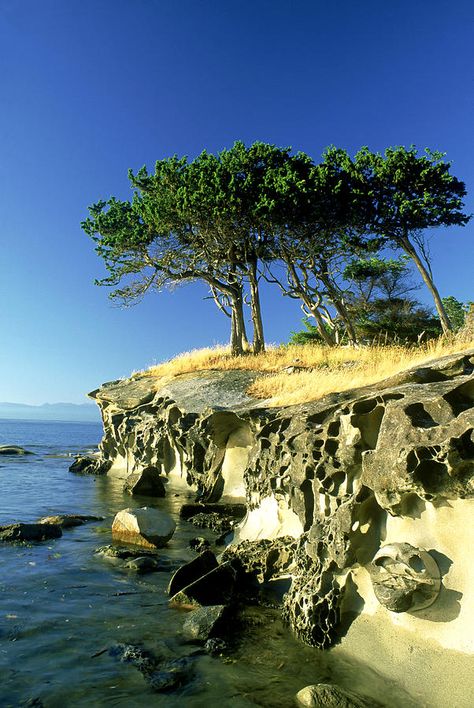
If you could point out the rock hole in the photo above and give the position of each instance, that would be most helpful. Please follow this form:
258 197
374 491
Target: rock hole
362 407
333 428
331 446
419 416
307 489
369 426
461 398
416 564
431 474
392 397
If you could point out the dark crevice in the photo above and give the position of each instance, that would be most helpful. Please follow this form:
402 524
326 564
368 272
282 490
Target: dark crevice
419 416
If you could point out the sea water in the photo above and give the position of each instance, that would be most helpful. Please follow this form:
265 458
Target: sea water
63 608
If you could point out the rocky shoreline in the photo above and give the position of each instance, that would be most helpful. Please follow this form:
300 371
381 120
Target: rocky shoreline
356 508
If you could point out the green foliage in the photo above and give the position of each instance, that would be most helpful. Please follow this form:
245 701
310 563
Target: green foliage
309 335
456 311
228 218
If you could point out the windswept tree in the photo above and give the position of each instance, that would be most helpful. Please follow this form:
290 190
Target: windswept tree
320 228
211 219
402 194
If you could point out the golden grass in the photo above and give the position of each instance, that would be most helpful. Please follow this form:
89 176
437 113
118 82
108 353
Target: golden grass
325 369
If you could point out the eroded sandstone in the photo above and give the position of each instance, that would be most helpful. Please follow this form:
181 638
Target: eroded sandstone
333 481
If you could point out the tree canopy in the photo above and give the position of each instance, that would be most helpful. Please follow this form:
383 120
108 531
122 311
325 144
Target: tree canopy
314 229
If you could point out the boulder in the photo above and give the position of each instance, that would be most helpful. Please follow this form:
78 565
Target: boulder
14 450
29 532
215 588
192 571
204 622
326 695
147 483
84 464
66 521
146 527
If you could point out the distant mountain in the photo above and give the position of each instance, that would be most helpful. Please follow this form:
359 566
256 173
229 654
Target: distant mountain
74 412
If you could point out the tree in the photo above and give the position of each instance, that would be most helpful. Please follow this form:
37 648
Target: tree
320 229
402 194
211 219
456 311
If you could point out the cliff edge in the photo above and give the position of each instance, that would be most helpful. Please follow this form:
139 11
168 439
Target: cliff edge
370 493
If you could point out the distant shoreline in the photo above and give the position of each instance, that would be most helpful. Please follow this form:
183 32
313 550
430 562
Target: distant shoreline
49 420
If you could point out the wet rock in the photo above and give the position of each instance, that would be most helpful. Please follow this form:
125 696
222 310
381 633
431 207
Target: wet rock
217 523
199 544
123 553
205 622
172 675
161 675
146 527
235 511
215 646
221 525
215 588
146 483
14 450
144 564
29 532
67 521
192 571
265 559
142 660
326 695
84 464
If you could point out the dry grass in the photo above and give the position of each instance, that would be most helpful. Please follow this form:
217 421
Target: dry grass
325 370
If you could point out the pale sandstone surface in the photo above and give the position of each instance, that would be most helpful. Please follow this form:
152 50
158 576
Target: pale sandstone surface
336 480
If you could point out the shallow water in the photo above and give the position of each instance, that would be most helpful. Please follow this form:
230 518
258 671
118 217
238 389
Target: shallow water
62 607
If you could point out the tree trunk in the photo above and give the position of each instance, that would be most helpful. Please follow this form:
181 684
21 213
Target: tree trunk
410 250
310 305
238 336
325 335
340 308
258 337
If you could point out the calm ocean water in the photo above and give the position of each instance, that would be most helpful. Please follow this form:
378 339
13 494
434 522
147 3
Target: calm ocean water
62 607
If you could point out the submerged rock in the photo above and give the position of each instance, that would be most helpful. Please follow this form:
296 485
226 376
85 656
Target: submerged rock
146 527
145 564
67 521
215 646
199 544
14 450
205 622
29 532
162 675
86 464
326 695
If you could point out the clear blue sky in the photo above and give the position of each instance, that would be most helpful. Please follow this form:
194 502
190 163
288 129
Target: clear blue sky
90 88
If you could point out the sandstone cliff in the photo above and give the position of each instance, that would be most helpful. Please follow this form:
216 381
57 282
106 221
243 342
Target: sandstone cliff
371 491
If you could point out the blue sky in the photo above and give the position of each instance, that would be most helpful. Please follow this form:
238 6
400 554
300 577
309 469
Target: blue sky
90 88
